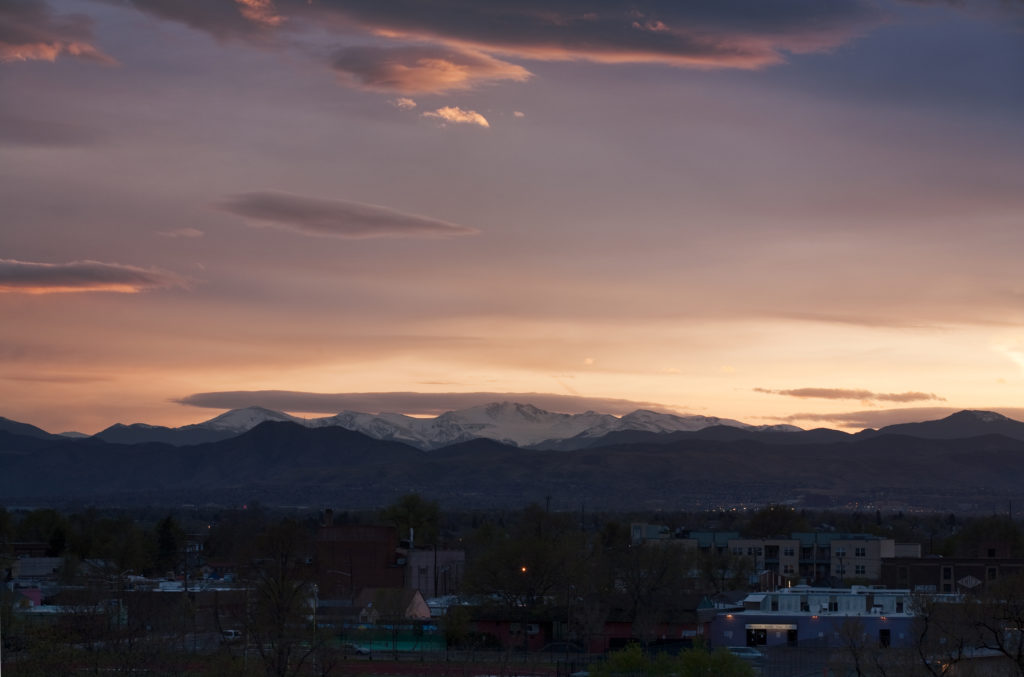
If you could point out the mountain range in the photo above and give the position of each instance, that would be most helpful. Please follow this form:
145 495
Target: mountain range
971 458
508 422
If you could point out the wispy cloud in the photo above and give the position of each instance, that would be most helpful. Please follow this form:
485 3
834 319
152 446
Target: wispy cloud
740 34
29 31
182 232
442 46
337 218
422 69
54 378
260 11
458 116
26 277
404 102
411 403
245 19
852 394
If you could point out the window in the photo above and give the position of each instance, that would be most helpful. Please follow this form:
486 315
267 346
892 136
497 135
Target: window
737 551
787 552
947 573
991 573
860 552
860 570
899 607
840 552
833 605
787 568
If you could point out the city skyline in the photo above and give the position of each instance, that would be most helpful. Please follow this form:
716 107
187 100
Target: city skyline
795 213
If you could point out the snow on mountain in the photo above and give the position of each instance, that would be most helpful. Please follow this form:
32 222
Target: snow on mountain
241 420
508 422
778 428
386 426
984 416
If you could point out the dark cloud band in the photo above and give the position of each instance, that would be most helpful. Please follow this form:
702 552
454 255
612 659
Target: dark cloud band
852 394
29 31
336 218
410 403
29 277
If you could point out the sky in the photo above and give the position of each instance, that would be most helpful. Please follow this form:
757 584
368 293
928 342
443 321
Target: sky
794 212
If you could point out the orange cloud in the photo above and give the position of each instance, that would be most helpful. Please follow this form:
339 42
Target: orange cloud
738 34
26 277
30 32
458 116
260 11
422 69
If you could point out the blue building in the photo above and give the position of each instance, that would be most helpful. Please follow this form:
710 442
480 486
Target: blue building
802 616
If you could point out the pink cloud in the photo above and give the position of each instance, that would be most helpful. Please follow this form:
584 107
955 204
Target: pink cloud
422 69
458 116
29 31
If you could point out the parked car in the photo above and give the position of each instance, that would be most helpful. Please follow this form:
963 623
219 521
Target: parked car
746 652
231 636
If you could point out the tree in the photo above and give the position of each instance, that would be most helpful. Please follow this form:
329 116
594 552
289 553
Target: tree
282 605
998 619
696 662
413 514
170 544
652 575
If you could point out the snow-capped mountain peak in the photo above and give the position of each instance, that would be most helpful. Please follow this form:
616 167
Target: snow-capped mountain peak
508 422
241 420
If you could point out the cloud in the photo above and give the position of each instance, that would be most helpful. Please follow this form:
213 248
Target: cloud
29 31
422 69
737 34
182 232
879 418
459 45
26 277
410 403
260 12
404 102
519 114
337 218
458 116
223 19
54 378
851 394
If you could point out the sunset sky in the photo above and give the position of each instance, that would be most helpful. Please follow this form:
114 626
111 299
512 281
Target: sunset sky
808 212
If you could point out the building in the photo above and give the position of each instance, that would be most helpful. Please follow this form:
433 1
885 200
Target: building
826 557
802 616
948 575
